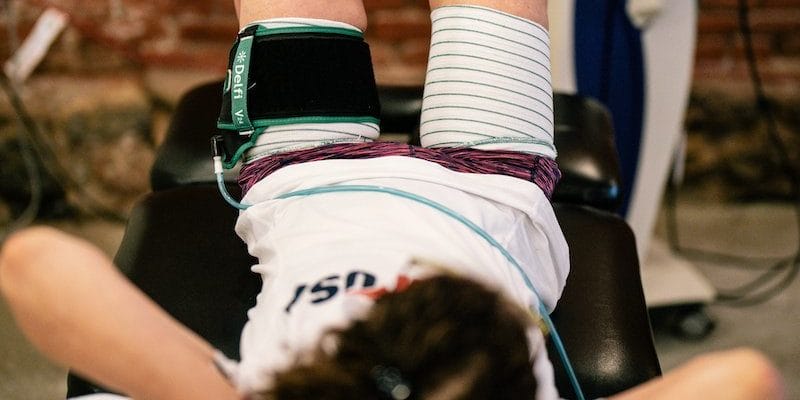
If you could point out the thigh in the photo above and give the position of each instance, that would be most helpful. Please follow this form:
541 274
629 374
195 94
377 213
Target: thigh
488 83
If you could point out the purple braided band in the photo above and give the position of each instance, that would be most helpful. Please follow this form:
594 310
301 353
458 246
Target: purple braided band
540 170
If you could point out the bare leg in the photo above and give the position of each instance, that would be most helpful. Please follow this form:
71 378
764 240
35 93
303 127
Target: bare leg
488 80
534 10
740 374
75 307
458 75
348 11
319 130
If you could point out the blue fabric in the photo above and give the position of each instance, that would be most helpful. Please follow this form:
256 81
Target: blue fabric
609 66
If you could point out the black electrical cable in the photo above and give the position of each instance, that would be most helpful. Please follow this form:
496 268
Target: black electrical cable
783 273
725 260
31 210
749 295
32 171
40 143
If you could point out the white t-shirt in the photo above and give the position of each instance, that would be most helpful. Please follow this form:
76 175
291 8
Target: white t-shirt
314 250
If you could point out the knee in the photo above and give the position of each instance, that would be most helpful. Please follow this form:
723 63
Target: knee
16 256
746 371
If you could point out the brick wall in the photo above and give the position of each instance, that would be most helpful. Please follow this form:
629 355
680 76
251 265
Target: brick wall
110 35
113 35
775 26
145 53
731 151
399 35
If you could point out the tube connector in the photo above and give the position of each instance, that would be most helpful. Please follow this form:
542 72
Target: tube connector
219 172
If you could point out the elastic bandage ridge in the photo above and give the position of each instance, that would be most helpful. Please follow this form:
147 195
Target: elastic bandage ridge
488 83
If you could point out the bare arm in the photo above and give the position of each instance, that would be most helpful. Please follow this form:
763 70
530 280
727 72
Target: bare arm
75 307
740 374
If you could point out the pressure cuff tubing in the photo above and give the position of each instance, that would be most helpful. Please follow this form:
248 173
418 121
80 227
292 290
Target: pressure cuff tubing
294 75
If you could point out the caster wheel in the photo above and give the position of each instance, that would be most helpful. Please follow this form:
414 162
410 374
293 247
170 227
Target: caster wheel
692 323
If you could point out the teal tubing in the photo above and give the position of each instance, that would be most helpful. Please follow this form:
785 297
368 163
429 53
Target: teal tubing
227 196
543 311
545 314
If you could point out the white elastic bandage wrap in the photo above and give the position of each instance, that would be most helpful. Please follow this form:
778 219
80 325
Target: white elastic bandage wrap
283 138
488 83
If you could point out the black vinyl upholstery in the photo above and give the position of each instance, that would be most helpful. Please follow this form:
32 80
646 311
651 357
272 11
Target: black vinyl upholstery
180 248
602 316
184 158
587 155
583 137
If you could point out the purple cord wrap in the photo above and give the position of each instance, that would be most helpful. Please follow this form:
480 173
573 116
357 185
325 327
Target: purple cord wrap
540 170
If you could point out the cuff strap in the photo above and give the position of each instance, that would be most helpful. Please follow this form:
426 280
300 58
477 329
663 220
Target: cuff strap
300 75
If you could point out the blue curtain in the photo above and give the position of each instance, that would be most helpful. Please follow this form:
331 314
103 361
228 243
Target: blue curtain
609 67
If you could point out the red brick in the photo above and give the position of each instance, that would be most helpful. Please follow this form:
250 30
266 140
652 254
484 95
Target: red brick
400 24
781 70
384 4
414 52
710 21
721 44
215 28
191 35
763 44
709 4
734 4
92 58
210 7
728 69
24 28
400 75
775 19
207 57
761 20
713 45
788 44
774 71
424 4
383 53
780 3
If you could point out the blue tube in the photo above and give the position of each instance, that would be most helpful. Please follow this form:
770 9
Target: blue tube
223 190
543 312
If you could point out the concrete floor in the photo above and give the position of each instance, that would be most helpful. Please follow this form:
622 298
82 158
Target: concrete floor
772 327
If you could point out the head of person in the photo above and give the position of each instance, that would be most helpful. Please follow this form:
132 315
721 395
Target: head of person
444 337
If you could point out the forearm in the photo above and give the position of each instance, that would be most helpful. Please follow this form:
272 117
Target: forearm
74 306
740 374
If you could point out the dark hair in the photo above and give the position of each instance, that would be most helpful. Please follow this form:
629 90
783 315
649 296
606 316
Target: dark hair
446 337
